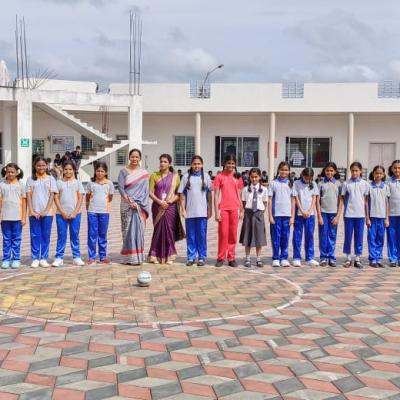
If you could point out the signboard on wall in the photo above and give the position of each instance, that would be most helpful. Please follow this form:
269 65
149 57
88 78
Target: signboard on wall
275 149
61 144
24 142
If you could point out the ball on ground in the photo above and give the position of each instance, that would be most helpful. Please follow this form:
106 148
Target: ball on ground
144 278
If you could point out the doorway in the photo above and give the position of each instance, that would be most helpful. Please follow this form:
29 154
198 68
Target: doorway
381 154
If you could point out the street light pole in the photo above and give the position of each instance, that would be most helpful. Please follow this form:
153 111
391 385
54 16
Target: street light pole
206 79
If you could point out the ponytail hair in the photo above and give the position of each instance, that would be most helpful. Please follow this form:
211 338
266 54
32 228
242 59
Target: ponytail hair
280 166
169 158
390 172
190 171
72 164
257 171
371 175
330 164
35 161
309 173
231 157
20 173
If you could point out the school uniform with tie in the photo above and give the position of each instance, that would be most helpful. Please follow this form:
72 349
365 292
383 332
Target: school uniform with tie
253 232
354 192
281 195
305 195
393 231
329 192
377 205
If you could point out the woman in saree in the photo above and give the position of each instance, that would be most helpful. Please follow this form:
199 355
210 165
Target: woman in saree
163 191
133 185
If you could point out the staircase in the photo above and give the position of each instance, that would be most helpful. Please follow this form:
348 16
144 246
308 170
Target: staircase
75 123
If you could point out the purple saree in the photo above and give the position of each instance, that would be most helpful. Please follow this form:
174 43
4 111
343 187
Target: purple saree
162 247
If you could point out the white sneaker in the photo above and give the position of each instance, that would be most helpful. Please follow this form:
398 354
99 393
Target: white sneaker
285 263
44 264
296 263
313 263
58 262
35 263
276 263
79 262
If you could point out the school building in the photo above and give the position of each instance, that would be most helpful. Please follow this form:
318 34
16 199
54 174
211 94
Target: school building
307 124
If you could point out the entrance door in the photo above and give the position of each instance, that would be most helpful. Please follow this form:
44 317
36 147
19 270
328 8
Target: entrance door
381 154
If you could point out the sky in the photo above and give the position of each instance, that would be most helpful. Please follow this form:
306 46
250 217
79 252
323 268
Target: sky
256 40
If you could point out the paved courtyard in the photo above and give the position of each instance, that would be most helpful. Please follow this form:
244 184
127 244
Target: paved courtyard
198 333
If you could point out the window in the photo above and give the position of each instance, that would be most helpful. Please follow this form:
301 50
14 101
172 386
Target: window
308 152
293 90
244 148
183 150
38 147
122 154
86 144
389 89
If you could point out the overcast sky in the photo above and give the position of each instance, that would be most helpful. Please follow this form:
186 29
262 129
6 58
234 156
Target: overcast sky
256 40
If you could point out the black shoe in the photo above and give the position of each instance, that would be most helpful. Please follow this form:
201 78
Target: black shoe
332 263
259 264
247 264
393 264
233 264
358 264
189 263
323 263
347 264
219 263
200 262
373 264
380 265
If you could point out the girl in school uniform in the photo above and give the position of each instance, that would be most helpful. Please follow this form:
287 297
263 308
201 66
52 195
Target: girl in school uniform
377 218
329 209
393 231
255 199
99 194
13 214
195 197
281 208
306 194
40 188
355 197
227 204
68 201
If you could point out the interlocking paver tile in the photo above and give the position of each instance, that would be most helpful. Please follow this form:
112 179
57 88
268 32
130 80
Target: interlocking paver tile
86 390
339 340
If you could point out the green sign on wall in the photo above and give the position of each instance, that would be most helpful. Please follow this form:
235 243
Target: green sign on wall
24 142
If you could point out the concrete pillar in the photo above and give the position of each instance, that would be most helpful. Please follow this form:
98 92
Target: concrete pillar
197 134
7 133
271 147
135 123
350 143
24 132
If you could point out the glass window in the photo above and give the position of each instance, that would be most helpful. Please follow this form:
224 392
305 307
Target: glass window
308 152
38 147
122 154
244 148
86 144
183 150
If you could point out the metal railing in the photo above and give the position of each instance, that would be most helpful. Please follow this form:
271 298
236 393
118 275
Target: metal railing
200 90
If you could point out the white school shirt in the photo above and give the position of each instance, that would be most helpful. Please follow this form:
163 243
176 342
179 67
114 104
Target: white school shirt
354 192
394 199
281 194
68 191
305 194
261 197
41 188
329 192
196 197
99 192
12 195
378 197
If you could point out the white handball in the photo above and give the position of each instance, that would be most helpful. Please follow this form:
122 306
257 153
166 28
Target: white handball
144 278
